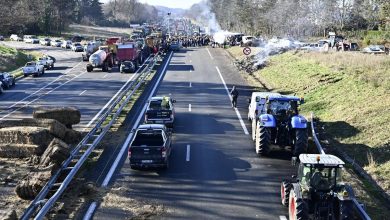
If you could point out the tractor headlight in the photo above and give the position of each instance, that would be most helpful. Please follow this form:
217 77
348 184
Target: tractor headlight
345 194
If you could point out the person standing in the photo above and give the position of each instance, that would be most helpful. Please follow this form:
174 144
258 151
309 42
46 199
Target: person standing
234 94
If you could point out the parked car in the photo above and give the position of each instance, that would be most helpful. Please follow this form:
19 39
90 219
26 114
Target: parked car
33 68
150 147
67 44
56 43
247 40
46 61
160 110
127 67
7 80
30 39
77 47
15 37
44 41
376 49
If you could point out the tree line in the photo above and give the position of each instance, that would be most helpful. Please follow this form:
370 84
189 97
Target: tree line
301 17
54 16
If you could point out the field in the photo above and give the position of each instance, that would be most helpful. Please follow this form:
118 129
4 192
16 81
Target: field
11 60
348 92
99 32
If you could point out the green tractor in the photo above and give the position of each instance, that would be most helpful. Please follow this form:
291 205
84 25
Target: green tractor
317 192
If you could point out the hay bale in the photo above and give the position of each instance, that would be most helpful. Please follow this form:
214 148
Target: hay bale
66 115
55 154
55 128
72 136
9 215
19 150
29 188
26 135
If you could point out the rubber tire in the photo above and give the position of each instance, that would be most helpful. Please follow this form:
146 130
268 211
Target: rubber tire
13 82
89 68
254 124
301 211
301 142
285 188
43 72
263 141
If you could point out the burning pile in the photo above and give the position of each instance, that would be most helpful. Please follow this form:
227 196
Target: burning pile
268 48
44 140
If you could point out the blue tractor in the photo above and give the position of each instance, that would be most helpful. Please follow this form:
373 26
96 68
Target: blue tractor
279 125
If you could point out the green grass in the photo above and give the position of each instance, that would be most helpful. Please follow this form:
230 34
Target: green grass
11 60
349 92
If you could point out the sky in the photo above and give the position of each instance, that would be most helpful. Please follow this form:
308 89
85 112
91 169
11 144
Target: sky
169 3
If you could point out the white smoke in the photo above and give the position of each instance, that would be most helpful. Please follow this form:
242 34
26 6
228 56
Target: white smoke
207 18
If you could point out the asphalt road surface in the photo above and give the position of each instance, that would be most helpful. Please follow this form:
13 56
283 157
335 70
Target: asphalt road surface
68 84
214 172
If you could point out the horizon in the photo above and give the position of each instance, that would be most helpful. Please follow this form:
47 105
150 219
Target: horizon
175 4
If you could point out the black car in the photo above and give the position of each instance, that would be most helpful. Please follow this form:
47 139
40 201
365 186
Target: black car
127 67
7 80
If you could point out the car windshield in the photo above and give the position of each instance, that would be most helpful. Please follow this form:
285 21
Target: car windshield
159 104
30 64
148 138
277 105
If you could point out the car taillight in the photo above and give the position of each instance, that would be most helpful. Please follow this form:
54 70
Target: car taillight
163 152
129 153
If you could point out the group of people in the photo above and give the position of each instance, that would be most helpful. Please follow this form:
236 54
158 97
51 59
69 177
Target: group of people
195 41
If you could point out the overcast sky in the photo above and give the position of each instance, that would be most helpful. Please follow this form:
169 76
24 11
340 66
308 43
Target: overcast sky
169 3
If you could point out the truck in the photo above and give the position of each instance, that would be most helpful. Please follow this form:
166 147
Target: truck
128 52
100 59
160 110
90 48
317 191
33 68
276 123
46 61
150 147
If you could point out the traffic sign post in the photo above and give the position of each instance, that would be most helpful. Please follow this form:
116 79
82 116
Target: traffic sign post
247 51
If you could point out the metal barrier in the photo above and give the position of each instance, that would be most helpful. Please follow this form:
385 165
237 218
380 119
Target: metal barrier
82 151
362 213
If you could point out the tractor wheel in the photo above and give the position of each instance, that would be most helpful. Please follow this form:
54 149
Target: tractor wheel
89 68
285 188
345 210
263 140
254 123
300 142
298 209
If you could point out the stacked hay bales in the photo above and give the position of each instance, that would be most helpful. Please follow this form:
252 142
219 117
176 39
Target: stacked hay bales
45 136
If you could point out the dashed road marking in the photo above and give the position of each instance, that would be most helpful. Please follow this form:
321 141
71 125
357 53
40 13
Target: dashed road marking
282 217
82 92
188 152
190 84
189 107
210 53
105 76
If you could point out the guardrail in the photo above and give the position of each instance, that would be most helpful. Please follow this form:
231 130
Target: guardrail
360 211
81 152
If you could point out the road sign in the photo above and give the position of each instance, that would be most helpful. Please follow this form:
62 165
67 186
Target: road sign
247 51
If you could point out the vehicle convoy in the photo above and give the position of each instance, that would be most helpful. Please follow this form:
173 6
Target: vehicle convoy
30 39
276 123
89 49
160 110
128 52
56 43
46 61
77 47
67 44
7 80
100 59
150 147
33 68
317 192
44 41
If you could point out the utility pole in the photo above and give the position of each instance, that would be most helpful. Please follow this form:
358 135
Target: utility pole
169 32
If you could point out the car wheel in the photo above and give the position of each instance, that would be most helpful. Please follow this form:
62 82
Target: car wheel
13 82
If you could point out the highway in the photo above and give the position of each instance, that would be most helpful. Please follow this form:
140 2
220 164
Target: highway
68 84
214 172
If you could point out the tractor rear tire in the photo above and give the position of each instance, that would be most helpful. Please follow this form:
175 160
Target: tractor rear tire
298 208
285 188
254 124
263 140
301 138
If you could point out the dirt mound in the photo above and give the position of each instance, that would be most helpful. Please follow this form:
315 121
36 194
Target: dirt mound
55 128
26 135
66 115
50 161
72 136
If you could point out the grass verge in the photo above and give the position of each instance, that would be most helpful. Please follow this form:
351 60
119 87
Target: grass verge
349 93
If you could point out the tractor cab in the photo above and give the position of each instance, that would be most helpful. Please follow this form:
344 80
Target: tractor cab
319 172
283 106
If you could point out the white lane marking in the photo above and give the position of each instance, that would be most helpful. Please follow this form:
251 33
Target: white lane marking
236 110
125 145
281 217
112 99
189 107
82 92
188 152
105 76
210 53
190 84
55 88
106 180
44 86
90 211
190 61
